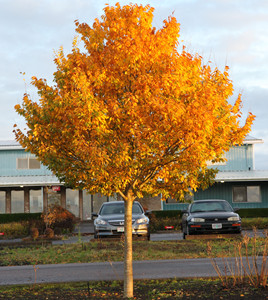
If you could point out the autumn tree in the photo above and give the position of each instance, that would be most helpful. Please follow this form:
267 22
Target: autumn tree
130 114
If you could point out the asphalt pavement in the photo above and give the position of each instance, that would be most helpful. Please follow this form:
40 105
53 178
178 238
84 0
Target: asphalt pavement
157 269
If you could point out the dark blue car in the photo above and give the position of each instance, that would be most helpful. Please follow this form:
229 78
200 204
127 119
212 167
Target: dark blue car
210 216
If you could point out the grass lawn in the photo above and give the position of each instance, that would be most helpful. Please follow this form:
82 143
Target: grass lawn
112 250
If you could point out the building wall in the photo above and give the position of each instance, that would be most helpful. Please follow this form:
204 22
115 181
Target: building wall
239 158
225 191
8 164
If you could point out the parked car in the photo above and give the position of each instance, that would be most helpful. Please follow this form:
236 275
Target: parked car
210 216
110 220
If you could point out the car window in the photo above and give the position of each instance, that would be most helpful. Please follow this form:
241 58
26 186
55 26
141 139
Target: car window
118 208
136 209
211 206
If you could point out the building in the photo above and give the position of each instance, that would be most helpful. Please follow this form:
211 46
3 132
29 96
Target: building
28 186
237 180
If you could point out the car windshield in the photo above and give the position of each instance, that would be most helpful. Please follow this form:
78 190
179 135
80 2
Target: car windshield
211 206
118 208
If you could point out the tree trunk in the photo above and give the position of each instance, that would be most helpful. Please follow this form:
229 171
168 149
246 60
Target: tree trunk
128 267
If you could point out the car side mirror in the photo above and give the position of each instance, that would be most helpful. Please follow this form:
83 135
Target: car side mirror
184 211
94 215
148 212
236 209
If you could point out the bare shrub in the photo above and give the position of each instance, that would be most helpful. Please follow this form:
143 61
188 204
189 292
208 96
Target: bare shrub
59 219
34 233
49 233
244 267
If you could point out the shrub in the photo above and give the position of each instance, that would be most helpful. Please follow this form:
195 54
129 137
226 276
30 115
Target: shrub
19 217
253 212
250 223
15 229
59 219
158 223
167 213
34 233
49 233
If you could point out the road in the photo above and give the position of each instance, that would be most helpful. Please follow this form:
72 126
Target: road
105 271
159 269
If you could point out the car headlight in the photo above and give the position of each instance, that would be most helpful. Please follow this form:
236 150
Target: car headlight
100 222
233 219
142 221
197 220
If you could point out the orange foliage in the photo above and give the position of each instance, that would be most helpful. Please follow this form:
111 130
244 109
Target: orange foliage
129 112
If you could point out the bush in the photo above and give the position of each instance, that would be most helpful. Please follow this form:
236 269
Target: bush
253 212
15 229
19 217
167 213
34 233
158 223
49 233
250 223
59 219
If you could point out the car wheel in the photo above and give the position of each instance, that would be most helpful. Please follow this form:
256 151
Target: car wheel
96 236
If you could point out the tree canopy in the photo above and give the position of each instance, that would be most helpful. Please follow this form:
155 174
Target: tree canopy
128 113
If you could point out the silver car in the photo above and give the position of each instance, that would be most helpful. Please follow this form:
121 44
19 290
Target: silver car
110 220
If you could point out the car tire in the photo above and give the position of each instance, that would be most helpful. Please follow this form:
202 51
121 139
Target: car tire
96 236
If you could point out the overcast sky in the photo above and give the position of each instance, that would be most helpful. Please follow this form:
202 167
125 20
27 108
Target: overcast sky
226 32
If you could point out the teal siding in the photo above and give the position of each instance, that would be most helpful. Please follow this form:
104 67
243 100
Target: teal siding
239 158
225 190
8 164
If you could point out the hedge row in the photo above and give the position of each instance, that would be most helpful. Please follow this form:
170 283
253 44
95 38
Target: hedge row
9 218
243 212
15 230
253 212
167 213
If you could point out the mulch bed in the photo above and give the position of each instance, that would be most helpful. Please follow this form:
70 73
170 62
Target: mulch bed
151 289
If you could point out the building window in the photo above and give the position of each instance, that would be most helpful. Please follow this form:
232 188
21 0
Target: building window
28 163
17 201
72 201
86 205
2 202
246 194
53 196
36 201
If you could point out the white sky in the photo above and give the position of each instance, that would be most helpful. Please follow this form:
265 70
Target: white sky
227 32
